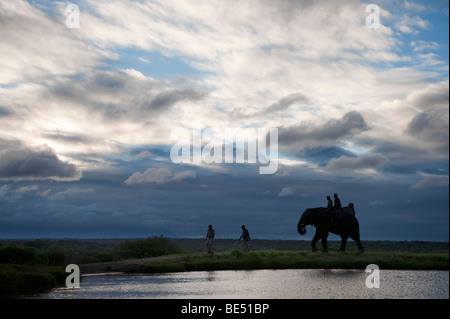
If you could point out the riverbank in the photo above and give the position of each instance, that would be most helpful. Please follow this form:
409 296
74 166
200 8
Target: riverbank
273 259
39 264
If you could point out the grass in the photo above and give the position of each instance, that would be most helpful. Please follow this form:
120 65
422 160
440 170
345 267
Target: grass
21 280
290 259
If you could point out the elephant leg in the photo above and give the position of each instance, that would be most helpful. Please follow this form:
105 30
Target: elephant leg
314 241
358 242
325 243
343 243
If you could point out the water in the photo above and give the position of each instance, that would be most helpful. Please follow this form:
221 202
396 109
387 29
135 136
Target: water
261 284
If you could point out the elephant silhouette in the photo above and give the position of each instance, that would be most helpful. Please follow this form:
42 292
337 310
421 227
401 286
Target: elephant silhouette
341 222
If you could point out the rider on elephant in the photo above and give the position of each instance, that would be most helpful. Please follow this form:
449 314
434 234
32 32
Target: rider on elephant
337 203
335 211
329 204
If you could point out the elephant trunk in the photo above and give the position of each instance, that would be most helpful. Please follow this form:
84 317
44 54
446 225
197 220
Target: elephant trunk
301 229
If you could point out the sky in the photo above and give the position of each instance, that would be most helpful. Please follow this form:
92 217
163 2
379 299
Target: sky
113 116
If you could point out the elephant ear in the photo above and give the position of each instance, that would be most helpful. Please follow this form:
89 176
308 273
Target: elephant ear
319 217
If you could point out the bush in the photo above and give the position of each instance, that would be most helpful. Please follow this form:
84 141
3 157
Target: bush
8 280
144 248
30 282
104 257
53 256
236 254
17 255
20 281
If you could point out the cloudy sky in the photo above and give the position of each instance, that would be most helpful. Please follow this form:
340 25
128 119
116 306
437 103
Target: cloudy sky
88 116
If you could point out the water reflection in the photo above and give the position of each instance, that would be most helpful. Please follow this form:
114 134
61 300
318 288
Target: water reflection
261 284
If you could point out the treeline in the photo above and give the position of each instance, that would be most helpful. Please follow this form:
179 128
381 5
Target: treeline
37 266
54 252
144 248
49 256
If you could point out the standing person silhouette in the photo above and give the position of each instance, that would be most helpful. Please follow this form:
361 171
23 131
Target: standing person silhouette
246 237
210 239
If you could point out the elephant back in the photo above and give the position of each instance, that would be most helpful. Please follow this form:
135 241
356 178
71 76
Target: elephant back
350 209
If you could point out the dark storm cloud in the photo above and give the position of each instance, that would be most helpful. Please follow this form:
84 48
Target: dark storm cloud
4 112
26 164
98 82
281 105
102 205
432 96
439 97
321 155
431 126
109 81
69 138
169 98
396 151
404 158
436 167
285 102
332 131
356 163
122 95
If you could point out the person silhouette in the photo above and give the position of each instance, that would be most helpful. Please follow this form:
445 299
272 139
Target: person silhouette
210 239
337 202
329 204
338 209
246 237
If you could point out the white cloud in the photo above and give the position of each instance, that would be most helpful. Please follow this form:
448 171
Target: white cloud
412 24
141 155
287 191
6 192
292 64
431 181
27 189
377 202
361 162
45 192
151 175
37 47
420 45
71 193
414 6
183 175
158 176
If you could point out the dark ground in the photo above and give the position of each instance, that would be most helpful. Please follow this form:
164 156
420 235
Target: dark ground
192 244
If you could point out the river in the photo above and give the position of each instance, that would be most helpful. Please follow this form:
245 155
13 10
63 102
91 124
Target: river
261 284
